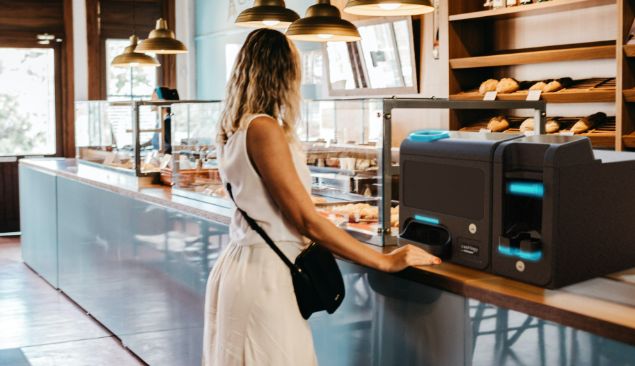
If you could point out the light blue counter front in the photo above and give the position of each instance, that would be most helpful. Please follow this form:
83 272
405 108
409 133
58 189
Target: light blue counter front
140 268
38 213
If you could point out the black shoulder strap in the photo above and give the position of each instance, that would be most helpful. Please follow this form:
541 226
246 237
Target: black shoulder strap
255 227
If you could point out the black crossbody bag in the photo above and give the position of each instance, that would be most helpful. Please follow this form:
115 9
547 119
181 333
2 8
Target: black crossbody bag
317 280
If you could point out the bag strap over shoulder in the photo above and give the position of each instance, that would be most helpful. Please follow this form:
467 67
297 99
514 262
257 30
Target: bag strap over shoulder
255 227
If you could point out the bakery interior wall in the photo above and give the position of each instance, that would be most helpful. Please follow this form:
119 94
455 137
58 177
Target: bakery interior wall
216 37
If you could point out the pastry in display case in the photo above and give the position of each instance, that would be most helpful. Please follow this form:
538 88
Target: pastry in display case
193 171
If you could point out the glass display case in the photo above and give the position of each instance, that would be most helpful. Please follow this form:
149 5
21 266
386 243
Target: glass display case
343 141
194 167
136 137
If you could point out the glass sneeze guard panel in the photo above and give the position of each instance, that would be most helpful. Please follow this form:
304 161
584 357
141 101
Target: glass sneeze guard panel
194 167
134 137
342 140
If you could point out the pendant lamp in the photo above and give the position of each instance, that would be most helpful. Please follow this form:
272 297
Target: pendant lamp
388 7
267 14
323 23
161 40
130 58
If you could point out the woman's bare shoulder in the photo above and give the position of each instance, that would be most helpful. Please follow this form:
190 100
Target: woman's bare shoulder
265 128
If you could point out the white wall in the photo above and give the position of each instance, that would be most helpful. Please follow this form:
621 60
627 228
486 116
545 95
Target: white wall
186 64
80 50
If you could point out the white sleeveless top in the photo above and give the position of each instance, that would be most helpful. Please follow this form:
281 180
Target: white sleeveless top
250 193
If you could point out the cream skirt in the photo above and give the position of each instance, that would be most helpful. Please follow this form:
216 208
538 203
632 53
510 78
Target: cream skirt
251 315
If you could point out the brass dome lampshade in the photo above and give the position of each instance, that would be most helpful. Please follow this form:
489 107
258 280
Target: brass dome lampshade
130 58
323 23
388 7
161 40
267 14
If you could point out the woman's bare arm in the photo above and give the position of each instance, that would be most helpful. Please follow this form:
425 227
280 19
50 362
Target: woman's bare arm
269 151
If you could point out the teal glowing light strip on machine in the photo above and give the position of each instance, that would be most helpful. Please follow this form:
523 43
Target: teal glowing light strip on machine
427 219
516 252
527 189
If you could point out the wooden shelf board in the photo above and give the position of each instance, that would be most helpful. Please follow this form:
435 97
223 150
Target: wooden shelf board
629 50
529 10
577 53
565 96
601 137
601 140
629 95
629 140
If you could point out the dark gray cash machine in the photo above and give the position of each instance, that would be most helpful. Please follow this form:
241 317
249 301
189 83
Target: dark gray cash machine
446 193
563 212
446 179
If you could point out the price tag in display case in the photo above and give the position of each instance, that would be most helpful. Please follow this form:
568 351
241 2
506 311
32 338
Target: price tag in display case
534 95
491 95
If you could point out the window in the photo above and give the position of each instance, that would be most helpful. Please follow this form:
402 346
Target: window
27 101
123 83
381 63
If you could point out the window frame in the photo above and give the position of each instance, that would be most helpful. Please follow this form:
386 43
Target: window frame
26 41
97 36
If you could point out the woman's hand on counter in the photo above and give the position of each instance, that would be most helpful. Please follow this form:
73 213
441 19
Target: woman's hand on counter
269 150
407 256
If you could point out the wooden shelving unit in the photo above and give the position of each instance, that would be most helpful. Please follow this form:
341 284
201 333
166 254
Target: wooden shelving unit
602 136
566 96
487 44
594 51
629 95
597 90
530 10
628 141
629 50
625 57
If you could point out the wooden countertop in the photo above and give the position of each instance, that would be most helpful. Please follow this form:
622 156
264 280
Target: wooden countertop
603 306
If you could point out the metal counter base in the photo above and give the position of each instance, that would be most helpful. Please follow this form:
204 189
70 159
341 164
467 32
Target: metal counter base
140 269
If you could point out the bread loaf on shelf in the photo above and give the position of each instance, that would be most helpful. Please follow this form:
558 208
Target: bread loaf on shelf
538 86
488 86
507 85
498 124
552 126
586 123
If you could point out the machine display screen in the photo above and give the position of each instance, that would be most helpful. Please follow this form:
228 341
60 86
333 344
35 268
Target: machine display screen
447 189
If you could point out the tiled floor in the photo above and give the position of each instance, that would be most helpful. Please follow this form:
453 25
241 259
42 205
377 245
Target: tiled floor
41 327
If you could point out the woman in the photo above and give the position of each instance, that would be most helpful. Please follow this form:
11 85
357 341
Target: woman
251 314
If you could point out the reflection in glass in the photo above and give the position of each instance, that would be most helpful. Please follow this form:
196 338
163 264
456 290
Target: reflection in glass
340 68
383 54
383 59
127 83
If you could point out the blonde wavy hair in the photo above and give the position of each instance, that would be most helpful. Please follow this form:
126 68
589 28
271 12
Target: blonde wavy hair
265 80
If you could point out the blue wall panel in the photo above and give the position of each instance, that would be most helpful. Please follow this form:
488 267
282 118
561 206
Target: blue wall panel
215 29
